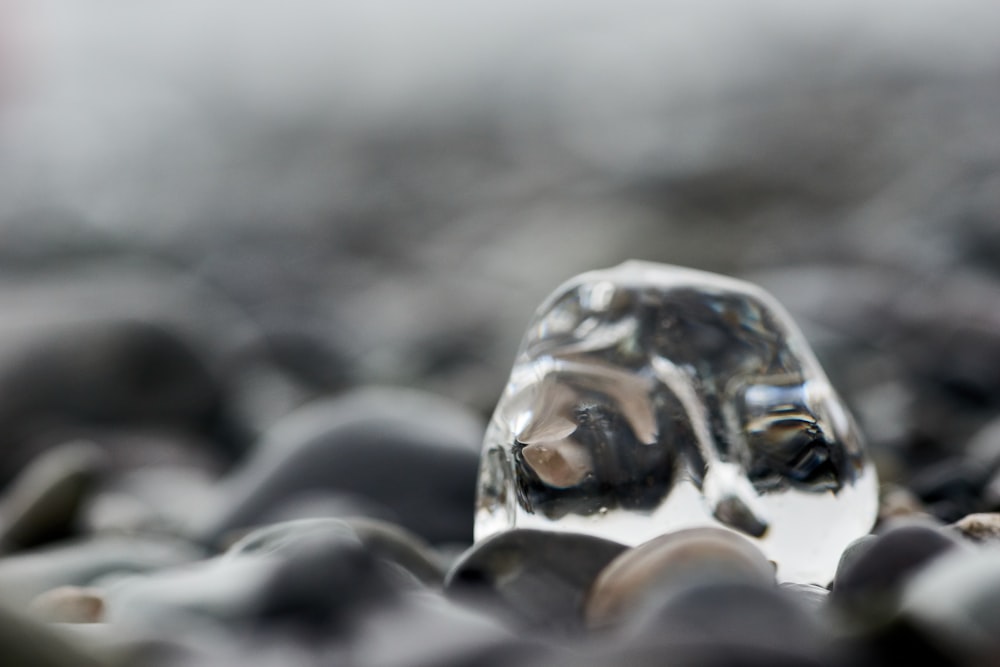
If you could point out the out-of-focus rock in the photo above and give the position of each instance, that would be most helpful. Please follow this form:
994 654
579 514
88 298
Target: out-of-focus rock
69 604
410 452
45 502
635 579
537 580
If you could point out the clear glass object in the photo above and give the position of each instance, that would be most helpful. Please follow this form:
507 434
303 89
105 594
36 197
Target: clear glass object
647 398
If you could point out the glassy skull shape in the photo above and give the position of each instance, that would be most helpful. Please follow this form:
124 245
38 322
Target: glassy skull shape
648 398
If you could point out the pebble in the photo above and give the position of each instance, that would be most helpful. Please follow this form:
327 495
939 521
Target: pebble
413 453
45 501
861 172
537 580
324 585
382 540
983 527
96 373
642 575
731 617
874 569
69 604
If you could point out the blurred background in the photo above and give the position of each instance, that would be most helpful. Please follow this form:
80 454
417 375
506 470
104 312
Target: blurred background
213 211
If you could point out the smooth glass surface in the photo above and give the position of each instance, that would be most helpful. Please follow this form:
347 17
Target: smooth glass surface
648 398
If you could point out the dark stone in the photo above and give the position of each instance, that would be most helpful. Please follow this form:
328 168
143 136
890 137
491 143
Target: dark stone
899 641
101 374
951 488
954 603
874 569
640 576
812 596
397 545
323 585
718 617
45 502
312 581
414 454
535 579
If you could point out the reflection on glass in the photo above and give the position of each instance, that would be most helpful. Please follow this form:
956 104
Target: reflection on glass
648 398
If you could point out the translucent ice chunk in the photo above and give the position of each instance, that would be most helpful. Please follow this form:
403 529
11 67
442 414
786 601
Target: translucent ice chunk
648 398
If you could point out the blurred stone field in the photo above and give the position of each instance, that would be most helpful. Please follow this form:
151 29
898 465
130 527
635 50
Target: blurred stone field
316 196
215 213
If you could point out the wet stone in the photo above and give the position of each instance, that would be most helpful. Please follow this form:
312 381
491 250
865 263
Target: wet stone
640 576
648 398
412 453
874 570
723 617
536 580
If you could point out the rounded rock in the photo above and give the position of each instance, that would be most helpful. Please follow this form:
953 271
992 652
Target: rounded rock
874 569
645 573
45 501
731 617
69 604
410 452
536 579
983 527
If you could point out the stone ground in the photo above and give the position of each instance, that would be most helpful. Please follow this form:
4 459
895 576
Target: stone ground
286 200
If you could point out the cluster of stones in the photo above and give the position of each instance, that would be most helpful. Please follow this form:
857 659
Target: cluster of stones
342 533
